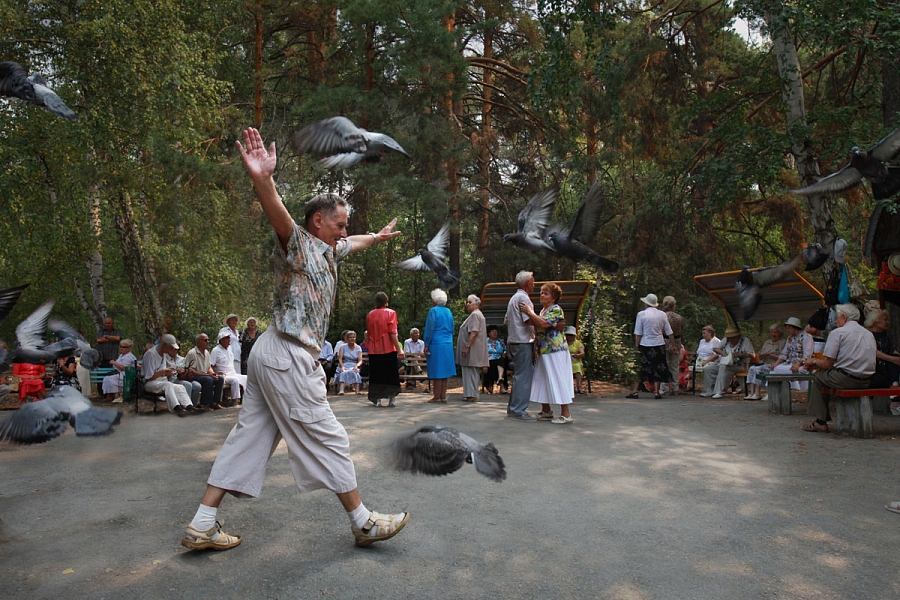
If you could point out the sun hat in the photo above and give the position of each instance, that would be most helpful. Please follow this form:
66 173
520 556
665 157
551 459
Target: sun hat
794 322
732 331
893 262
170 340
231 316
650 300
570 330
223 334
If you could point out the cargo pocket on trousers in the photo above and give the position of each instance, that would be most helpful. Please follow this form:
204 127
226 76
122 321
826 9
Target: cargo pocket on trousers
317 422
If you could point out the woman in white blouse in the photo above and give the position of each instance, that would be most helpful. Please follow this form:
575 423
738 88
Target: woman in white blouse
706 356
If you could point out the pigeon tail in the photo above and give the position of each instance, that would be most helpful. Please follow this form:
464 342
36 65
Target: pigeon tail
487 461
449 279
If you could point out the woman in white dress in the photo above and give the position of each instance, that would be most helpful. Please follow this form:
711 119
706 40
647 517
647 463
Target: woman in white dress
113 384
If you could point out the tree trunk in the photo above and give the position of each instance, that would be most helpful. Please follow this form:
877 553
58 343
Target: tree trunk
94 264
137 266
785 50
483 148
450 166
258 66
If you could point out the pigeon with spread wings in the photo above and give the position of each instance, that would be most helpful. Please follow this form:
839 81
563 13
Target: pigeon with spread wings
33 348
572 242
41 421
432 257
32 89
871 164
341 144
749 283
438 450
534 220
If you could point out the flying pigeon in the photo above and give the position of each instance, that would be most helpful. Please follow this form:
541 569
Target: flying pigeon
8 299
438 450
41 421
572 243
33 348
815 256
534 220
749 283
32 89
432 257
871 164
342 144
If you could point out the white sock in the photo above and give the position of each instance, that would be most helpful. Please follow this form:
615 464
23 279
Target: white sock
359 516
205 519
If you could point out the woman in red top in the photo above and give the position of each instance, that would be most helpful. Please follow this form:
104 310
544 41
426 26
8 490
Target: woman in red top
384 352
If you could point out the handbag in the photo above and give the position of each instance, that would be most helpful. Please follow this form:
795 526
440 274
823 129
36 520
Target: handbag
728 359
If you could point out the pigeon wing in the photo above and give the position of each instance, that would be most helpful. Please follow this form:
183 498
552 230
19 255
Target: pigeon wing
485 457
337 135
412 264
887 148
30 332
96 421
587 219
535 217
33 423
847 178
440 243
430 451
769 275
90 359
48 98
9 297
14 82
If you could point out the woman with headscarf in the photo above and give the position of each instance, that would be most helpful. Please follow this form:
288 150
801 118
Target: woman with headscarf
471 348
439 345
384 353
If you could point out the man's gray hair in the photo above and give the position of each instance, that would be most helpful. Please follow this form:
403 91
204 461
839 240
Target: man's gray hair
473 298
326 203
416 329
777 326
848 310
522 278
439 296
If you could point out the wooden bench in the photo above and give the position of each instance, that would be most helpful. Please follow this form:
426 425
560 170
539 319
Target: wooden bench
853 409
416 361
779 389
97 376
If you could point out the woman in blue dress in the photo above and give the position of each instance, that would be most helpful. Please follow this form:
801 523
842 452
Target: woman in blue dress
350 357
438 339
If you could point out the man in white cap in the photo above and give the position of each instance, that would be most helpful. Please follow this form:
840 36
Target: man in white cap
286 395
222 361
159 376
230 327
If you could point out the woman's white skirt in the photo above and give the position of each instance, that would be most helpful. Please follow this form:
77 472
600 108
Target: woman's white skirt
552 381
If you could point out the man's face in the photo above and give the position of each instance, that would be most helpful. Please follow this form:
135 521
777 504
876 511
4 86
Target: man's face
841 320
232 322
414 336
225 341
203 342
529 285
170 350
108 323
332 228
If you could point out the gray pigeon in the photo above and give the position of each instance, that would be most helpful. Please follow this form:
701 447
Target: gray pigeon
572 242
534 220
871 164
749 283
33 348
342 144
32 89
41 421
432 257
438 450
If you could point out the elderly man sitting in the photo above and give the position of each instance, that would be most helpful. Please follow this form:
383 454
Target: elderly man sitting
737 350
222 361
848 363
159 376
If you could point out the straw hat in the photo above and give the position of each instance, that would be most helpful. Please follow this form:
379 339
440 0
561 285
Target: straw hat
231 316
650 300
732 331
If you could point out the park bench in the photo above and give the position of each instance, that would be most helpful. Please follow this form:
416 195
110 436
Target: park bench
779 389
418 364
97 376
853 409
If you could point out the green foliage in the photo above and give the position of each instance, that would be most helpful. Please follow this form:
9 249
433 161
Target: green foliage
608 356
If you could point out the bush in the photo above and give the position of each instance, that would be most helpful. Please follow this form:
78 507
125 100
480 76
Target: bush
608 356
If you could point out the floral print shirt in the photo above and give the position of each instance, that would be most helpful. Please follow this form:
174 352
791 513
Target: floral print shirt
550 339
797 348
305 284
496 348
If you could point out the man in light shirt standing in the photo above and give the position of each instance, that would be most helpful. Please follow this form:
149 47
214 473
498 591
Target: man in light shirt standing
520 345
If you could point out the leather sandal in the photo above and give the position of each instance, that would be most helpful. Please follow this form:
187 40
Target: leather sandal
387 527
202 540
815 427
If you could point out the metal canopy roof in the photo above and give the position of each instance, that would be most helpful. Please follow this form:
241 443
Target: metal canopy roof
495 297
793 297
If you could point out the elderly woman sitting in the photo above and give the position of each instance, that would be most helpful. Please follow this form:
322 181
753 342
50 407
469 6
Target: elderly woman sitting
887 361
768 354
798 348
